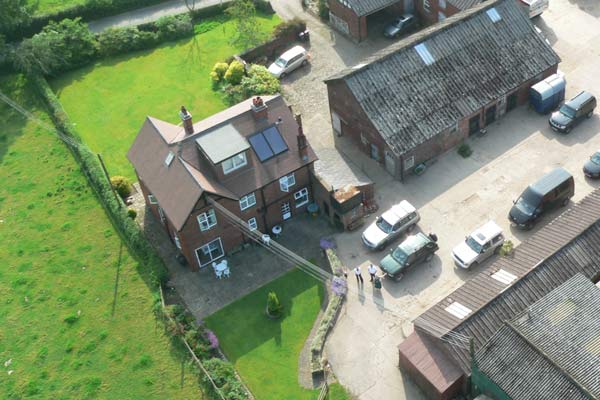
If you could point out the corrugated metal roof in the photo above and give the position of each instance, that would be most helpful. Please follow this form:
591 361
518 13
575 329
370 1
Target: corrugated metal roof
366 7
464 4
551 350
566 246
475 61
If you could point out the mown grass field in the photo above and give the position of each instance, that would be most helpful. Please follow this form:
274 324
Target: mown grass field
109 101
75 311
265 352
44 6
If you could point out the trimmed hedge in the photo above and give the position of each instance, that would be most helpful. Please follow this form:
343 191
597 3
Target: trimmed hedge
129 230
329 316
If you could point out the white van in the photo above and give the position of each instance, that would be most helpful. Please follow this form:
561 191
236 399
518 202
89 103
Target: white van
295 57
535 7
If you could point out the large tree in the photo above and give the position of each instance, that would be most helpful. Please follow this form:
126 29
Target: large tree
12 14
244 14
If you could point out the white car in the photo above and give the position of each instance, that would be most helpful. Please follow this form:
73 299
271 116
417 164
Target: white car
478 246
390 225
295 57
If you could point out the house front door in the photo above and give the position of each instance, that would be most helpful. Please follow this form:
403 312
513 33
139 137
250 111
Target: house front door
390 163
490 115
374 152
474 125
511 101
286 210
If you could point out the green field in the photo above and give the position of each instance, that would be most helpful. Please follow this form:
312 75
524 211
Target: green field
265 352
109 101
44 6
75 308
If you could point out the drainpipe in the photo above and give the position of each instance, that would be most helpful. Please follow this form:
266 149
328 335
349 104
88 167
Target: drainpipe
264 209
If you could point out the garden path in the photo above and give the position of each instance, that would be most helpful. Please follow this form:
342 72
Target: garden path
148 14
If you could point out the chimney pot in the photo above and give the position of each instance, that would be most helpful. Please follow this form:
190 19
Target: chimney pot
259 108
186 117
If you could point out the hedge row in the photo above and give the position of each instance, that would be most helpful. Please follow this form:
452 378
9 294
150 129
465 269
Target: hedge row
149 261
179 323
329 316
96 9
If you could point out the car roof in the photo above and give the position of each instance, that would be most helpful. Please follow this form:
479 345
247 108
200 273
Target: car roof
398 211
581 98
550 181
486 232
414 242
294 51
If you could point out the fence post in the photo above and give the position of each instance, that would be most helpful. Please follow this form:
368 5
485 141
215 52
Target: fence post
109 183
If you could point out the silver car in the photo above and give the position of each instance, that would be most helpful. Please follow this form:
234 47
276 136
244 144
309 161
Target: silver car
294 58
478 246
390 225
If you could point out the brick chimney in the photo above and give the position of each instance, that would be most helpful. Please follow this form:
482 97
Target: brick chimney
259 109
186 117
302 144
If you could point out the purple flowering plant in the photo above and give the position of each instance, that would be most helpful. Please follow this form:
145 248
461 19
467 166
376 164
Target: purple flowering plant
338 286
212 338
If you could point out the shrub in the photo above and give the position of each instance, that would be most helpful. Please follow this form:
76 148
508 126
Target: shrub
223 374
291 27
71 319
234 73
122 40
259 82
274 307
122 185
131 213
219 71
323 10
464 150
174 26
506 248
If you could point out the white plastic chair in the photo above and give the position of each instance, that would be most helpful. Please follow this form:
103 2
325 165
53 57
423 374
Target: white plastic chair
226 273
219 274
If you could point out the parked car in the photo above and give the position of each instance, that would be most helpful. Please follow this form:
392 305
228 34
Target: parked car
572 112
591 168
294 58
412 251
402 24
478 246
390 225
553 189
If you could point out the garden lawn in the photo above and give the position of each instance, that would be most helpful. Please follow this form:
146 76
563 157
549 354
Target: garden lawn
265 352
44 6
75 309
109 101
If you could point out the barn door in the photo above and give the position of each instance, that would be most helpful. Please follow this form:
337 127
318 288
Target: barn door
390 163
337 123
409 6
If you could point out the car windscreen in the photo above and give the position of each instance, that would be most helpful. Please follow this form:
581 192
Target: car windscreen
472 243
399 255
568 111
281 62
529 200
596 158
383 225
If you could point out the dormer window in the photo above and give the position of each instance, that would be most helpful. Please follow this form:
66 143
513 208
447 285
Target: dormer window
235 162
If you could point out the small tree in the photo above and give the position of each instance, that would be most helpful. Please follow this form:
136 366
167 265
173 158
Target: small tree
218 72
244 14
506 248
121 185
273 305
234 73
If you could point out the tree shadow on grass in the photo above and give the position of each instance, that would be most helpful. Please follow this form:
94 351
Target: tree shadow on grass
243 325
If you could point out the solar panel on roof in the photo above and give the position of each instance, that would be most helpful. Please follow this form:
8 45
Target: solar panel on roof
493 14
275 140
424 53
261 147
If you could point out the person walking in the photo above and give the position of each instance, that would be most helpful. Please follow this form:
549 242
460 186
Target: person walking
359 278
372 271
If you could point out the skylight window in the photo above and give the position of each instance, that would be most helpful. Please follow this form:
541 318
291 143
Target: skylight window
493 14
424 53
169 159
503 276
268 143
458 310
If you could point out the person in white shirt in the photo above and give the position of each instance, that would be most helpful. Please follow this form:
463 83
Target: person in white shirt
372 271
359 278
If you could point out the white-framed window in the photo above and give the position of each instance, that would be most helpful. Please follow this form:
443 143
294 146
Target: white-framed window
235 162
286 182
207 220
177 242
210 252
442 3
363 139
409 163
252 224
441 16
301 197
426 5
169 159
152 199
247 201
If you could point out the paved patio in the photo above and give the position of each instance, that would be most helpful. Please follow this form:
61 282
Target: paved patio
251 268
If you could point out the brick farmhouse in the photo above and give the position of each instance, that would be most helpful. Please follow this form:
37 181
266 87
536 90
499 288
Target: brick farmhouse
253 159
427 93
